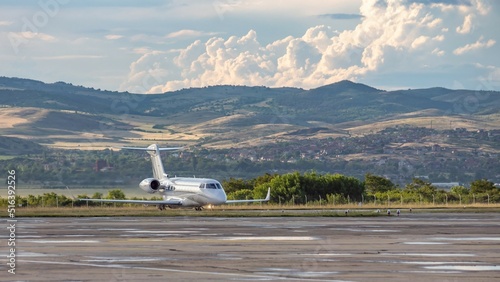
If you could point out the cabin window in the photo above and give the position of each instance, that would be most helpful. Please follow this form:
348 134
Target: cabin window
211 186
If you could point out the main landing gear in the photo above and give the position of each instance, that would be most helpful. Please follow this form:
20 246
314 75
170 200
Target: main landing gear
161 207
198 208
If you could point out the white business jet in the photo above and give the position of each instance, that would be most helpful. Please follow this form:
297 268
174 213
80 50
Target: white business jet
179 191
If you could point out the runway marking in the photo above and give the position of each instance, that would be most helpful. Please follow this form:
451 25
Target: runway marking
269 277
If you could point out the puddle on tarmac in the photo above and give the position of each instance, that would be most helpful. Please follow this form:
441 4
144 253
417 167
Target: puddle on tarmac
163 231
425 243
366 230
295 273
33 255
63 241
327 254
467 238
465 267
428 254
272 238
121 259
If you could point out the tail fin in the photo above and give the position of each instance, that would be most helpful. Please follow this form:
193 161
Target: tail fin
154 151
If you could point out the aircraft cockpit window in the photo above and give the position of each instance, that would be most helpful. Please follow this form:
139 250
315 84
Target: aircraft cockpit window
202 185
218 186
211 186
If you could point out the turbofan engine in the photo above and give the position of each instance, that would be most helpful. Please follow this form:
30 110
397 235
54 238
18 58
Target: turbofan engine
150 185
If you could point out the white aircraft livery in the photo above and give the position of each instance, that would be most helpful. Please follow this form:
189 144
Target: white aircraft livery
179 191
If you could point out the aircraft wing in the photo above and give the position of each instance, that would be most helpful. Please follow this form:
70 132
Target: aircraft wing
268 197
172 202
150 149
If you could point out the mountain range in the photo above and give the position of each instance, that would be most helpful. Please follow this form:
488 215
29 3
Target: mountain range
67 116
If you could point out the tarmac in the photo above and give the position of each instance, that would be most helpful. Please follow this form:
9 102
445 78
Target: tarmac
411 247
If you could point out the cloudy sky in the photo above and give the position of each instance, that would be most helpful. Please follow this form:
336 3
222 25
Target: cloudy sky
155 46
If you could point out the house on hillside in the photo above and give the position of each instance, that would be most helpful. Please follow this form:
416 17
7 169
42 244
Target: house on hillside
102 166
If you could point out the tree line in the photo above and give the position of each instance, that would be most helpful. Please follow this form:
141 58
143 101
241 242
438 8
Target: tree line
311 187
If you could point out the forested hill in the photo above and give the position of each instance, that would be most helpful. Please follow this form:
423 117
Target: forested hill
341 101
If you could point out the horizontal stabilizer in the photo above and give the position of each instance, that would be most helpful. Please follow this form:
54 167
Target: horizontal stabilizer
151 149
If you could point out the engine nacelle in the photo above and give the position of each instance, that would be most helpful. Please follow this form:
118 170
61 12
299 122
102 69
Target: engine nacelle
150 185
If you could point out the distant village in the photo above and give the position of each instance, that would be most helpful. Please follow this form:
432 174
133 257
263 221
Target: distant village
444 157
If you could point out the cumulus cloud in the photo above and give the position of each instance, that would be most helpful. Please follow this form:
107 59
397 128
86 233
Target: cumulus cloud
466 26
339 16
5 23
390 33
27 35
480 44
186 33
113 36
438 52
69 57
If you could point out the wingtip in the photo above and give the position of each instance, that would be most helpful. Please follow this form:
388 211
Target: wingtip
268 196
71 194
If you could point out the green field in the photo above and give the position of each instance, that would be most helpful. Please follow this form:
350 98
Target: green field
6 158
255 210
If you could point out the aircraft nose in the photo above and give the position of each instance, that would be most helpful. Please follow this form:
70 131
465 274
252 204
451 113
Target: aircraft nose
222 196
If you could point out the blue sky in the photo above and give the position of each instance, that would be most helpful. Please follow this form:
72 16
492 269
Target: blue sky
157 46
